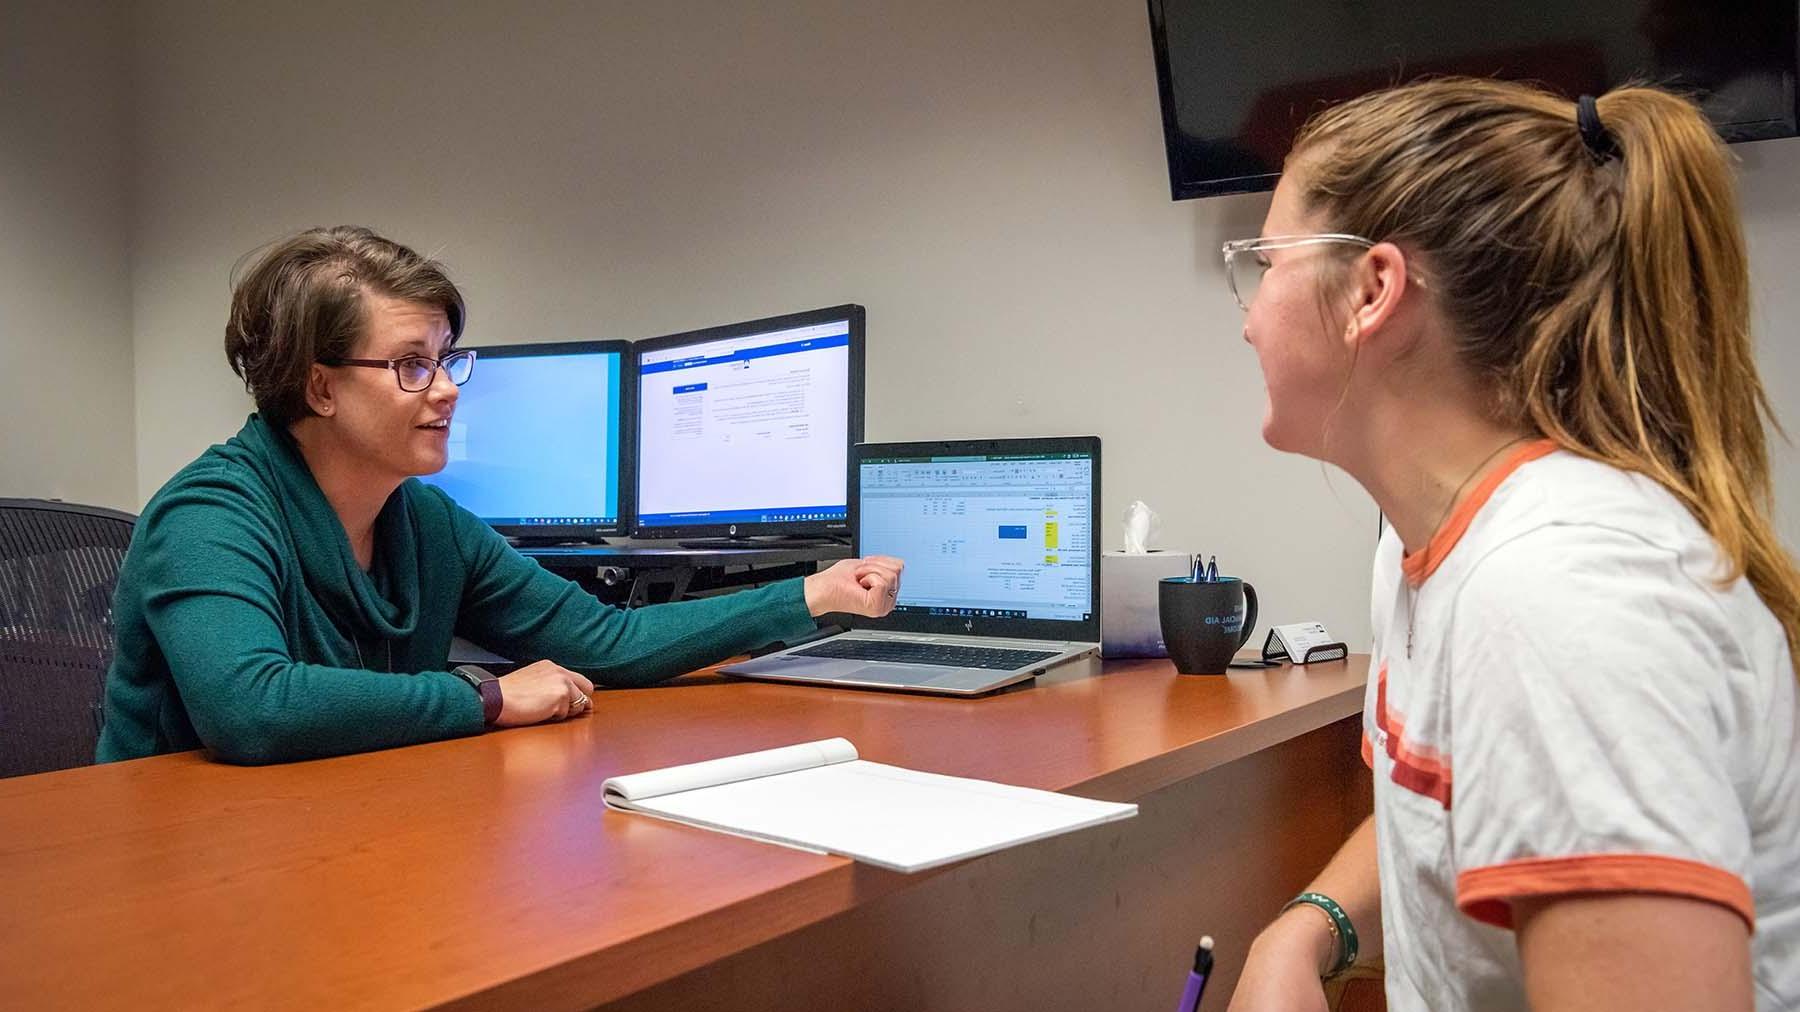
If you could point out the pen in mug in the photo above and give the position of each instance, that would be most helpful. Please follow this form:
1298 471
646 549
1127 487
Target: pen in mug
1212 569
1199 570
1196 980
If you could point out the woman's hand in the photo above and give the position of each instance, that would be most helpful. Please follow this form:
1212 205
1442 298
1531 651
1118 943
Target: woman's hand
1282 971
866 587
539 692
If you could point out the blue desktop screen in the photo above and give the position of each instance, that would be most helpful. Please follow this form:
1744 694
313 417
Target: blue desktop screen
535 440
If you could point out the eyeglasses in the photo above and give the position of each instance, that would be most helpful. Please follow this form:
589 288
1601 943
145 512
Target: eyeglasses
414 373
1245 263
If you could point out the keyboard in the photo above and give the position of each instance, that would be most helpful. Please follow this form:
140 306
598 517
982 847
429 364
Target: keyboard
944 654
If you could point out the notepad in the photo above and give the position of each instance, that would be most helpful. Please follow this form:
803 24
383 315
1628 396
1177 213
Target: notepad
820 797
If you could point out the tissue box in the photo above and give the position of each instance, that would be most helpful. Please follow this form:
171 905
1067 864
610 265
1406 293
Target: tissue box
1130 625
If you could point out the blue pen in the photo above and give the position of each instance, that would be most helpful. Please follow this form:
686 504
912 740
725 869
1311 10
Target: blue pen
1199 570
1212 569
1196 981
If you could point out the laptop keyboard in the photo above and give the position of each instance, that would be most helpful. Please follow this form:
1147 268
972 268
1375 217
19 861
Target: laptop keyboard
947 655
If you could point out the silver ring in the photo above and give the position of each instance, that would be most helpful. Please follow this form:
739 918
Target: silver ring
579 701
893 591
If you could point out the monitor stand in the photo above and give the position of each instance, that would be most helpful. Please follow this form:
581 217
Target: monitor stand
528 541
766 541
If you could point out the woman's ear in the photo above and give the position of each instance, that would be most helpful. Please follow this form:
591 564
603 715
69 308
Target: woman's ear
321 397
1377 282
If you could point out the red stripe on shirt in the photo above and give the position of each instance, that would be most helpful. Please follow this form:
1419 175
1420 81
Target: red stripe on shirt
1417 768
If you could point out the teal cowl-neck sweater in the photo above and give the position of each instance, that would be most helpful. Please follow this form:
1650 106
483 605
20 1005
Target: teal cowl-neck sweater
245 625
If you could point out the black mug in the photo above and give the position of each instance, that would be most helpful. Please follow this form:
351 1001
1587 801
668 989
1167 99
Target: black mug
1205 623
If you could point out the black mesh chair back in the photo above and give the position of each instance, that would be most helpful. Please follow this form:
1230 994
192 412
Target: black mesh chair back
59 564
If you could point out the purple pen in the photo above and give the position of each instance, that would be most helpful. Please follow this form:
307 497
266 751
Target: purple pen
1196 982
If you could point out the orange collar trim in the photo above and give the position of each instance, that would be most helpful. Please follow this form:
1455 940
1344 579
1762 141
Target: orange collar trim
1420 565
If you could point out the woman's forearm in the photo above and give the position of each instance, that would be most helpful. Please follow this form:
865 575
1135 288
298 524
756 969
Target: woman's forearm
1350 878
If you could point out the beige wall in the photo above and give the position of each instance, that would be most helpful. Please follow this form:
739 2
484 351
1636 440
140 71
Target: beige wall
989 184
65 313
988 179
1769 188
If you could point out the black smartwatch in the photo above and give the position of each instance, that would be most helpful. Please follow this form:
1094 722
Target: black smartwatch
486 686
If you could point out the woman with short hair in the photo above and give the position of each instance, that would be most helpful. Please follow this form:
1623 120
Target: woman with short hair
293 592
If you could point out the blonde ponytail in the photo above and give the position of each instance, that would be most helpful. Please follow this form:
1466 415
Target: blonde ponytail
1602 288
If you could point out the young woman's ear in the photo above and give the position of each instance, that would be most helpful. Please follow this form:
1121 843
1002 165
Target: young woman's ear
1377 283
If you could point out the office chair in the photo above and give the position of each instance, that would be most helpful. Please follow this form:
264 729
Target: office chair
59 563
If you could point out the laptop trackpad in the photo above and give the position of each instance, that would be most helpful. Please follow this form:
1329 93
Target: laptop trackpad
900 674
788 664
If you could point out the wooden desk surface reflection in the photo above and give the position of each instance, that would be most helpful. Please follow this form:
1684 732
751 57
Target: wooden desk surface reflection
487 872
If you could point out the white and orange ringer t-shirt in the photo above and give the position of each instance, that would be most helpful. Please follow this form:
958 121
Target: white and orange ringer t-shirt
1583 709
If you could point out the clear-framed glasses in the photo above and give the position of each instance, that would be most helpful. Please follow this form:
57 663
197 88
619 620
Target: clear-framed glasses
415 372
1246 260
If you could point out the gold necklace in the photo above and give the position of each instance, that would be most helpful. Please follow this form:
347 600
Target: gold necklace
1412 592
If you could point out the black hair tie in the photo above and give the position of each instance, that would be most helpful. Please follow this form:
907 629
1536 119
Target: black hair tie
1599 140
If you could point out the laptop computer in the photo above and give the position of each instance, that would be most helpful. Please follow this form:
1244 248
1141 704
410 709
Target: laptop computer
1002 576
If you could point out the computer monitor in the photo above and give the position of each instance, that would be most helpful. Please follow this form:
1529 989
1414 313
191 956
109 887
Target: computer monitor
746 429
539 441
997 534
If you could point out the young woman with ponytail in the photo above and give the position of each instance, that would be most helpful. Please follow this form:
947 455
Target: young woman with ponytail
1522 323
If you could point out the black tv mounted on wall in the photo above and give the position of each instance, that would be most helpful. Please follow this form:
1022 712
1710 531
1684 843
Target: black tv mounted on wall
1238 80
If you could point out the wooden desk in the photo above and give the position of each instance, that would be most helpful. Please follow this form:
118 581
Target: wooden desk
485 872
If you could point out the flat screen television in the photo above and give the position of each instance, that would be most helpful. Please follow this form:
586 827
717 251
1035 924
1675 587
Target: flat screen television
1237 80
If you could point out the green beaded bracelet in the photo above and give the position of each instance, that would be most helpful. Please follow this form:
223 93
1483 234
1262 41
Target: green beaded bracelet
1340 926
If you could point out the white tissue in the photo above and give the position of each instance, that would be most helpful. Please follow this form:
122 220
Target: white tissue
1141 526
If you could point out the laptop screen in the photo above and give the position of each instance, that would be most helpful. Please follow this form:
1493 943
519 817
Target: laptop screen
1002 536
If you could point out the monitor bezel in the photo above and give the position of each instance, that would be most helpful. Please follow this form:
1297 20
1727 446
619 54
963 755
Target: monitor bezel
1077 630
855 315
625 417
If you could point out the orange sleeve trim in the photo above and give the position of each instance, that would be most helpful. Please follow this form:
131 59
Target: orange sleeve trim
1368 751
1486 894
1421 564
